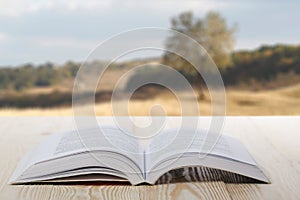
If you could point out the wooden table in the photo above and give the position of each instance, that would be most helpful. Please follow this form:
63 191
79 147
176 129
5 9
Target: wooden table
273 141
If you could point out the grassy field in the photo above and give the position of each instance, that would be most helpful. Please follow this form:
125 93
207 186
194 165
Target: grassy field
284 101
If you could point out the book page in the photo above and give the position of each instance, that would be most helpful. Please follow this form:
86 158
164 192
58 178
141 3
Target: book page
64 144
167 144
93 139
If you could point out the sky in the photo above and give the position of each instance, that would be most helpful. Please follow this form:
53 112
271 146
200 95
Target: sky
39 31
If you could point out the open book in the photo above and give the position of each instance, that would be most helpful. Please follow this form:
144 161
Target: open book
115 156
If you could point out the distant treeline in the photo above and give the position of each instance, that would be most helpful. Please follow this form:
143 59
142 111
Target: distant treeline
28 75
263 65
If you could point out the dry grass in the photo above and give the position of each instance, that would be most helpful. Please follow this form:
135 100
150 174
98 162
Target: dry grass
284 101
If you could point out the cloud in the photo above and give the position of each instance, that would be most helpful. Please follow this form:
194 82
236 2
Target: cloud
64 43
3 37
15 8
58 30
174 6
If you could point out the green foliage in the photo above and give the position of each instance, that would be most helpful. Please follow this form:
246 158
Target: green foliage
264 64
27 76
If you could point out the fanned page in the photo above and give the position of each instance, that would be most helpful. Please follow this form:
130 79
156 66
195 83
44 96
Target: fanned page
189 148
90 145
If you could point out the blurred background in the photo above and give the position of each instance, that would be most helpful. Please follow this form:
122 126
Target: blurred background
255 44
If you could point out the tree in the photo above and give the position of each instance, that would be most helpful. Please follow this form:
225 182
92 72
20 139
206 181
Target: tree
212 32
46 75
24 77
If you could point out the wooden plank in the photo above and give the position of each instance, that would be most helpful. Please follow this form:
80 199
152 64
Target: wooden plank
211 190
57 192
19 135
244 191
261 140
273 142
208 190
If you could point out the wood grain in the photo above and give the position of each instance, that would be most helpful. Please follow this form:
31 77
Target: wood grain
211 190
273 142
263 145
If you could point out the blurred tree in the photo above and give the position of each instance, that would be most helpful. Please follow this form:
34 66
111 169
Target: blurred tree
46 75
212 32
5 78
70 69
24 77
262 65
